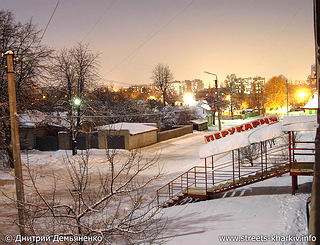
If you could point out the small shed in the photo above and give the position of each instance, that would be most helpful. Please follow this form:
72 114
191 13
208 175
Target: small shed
200 124
126 135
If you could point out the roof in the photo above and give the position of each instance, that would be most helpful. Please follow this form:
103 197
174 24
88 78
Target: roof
240 140
133 128
34 118
300 123
263 133
313 103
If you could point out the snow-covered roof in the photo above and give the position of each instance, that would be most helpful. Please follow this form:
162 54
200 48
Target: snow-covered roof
134 128
199 121
313 103
240 140
34 118
206 107
300 123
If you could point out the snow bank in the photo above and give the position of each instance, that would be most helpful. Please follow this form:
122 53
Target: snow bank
134 128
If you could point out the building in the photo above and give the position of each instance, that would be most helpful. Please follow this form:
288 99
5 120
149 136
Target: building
249 85
127 135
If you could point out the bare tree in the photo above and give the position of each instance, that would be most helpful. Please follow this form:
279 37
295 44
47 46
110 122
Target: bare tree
30 69
75 70
250 153
111 201
162 76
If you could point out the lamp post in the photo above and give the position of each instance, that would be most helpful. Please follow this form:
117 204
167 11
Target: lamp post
217 97
287 88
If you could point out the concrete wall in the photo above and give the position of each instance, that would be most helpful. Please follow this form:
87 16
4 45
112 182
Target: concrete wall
131 141
173 133
143 139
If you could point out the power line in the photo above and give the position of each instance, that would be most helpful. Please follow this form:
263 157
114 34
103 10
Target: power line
99 19
153 35
45 29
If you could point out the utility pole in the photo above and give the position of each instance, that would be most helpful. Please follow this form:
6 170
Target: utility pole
314 223
15 140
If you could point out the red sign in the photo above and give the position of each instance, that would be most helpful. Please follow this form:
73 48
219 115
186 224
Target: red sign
241 128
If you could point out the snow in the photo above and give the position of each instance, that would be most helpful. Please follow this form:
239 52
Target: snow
202 223
133 128
262 133
265 132
263 208
223 145
33 118
6 176
300 123
199 121
206 107
238 140
313 103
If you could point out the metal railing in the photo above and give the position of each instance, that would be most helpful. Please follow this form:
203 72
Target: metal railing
270 154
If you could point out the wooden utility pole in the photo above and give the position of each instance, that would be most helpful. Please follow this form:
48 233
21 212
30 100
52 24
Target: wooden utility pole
15 141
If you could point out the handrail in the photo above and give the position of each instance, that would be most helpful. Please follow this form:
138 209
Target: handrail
274 154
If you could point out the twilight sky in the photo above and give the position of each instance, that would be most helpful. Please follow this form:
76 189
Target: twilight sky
245 37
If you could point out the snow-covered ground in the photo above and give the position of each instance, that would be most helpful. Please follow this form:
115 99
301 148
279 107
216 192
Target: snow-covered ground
266 208
263 208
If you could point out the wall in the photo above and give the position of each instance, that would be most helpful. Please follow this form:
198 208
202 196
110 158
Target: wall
173 133
143 139
27 138
131 141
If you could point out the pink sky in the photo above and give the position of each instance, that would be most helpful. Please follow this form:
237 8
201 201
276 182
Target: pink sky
245 37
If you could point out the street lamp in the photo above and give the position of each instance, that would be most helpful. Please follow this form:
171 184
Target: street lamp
217 97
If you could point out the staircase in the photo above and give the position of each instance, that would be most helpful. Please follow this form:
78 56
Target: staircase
204 182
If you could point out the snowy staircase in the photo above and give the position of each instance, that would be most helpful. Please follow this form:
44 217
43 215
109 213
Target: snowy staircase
194 194
204 182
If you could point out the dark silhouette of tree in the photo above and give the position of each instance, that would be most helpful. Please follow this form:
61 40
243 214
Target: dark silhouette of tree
75 71
162 76
31 65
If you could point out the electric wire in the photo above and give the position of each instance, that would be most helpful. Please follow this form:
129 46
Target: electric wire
153 35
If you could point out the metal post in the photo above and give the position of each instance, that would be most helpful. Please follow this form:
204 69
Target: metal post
15 140
261 153
289 148
187 181
212 170
205 172
287 97
195 176
217 97
233 167
239 162
218 103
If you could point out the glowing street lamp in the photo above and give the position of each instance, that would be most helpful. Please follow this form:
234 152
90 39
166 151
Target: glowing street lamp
302 95
76 101
188 99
